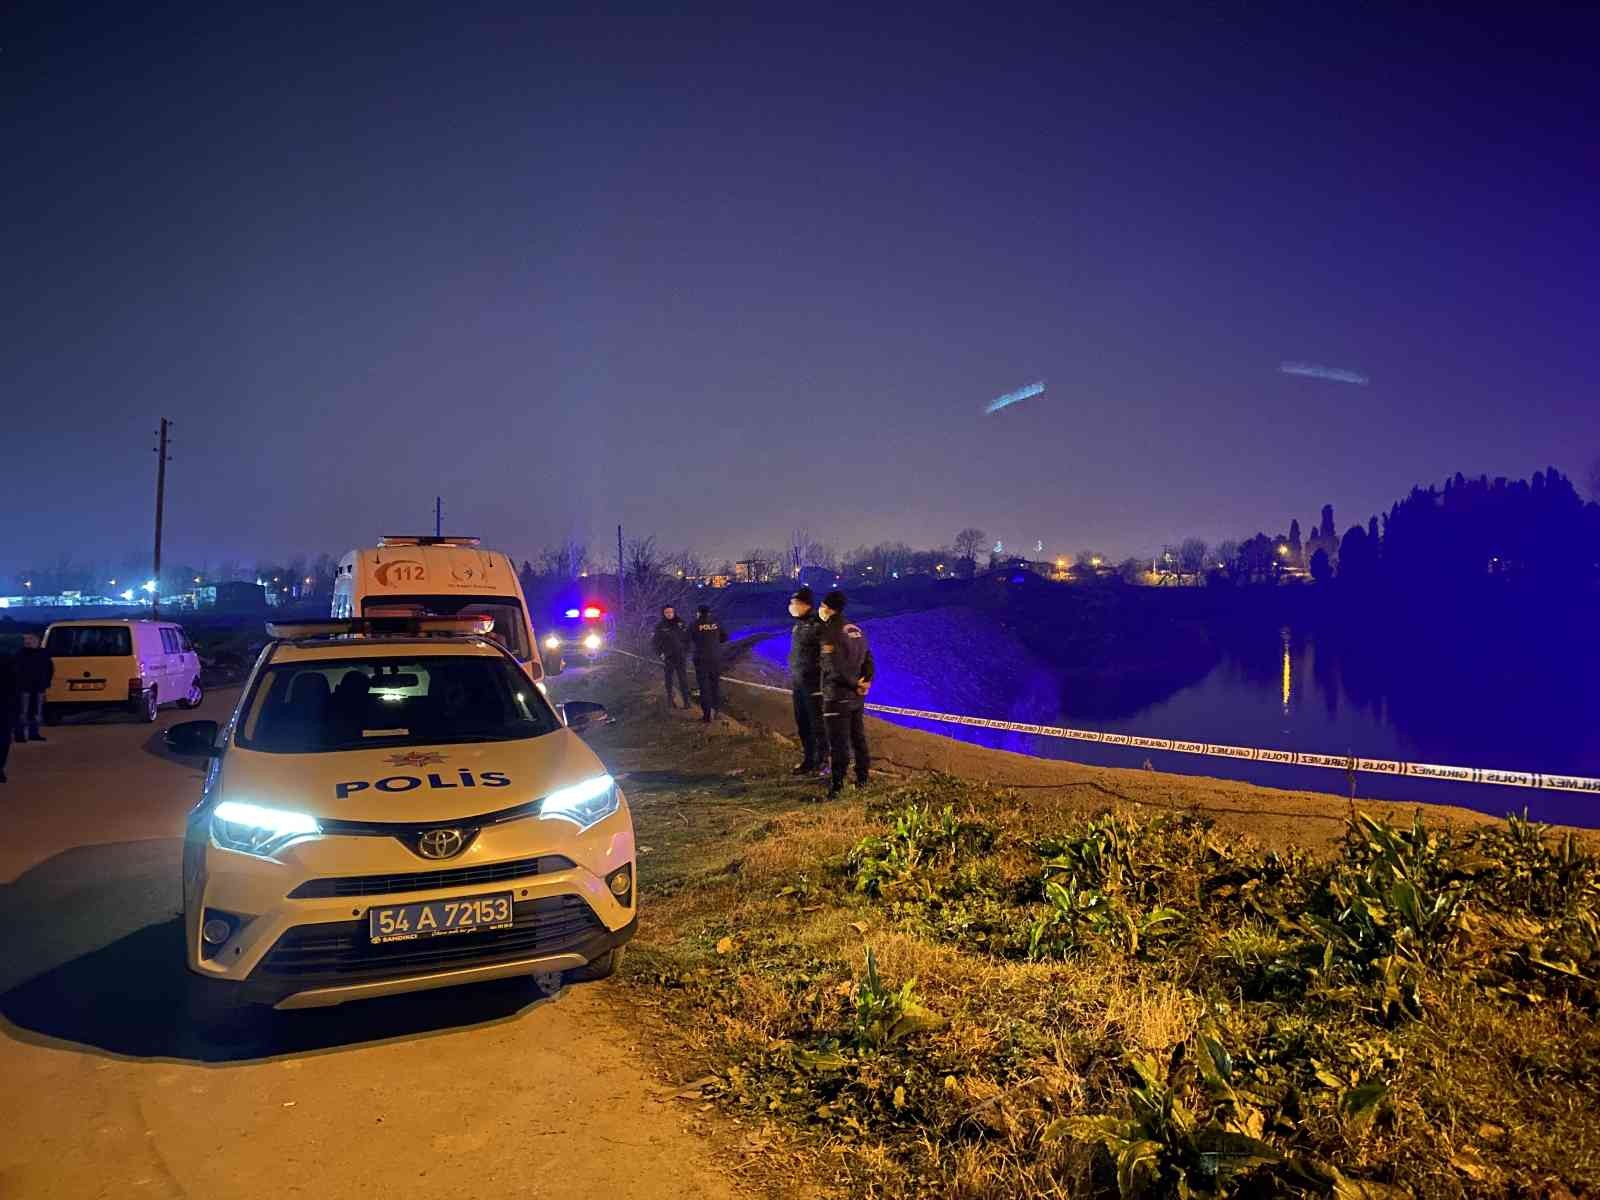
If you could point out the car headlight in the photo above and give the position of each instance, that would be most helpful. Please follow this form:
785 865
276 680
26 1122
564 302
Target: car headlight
253 829
552 642
584 804
592 642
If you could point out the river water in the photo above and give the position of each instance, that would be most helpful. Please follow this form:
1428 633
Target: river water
1287 690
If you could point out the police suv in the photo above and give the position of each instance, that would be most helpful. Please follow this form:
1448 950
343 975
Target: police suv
393 806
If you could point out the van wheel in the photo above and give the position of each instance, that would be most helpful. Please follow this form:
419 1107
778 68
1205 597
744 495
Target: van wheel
603 967
145 708
196 694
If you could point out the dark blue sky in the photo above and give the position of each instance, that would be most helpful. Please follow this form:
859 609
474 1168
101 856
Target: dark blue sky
713 276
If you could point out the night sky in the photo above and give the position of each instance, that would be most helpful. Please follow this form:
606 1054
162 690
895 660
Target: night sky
713 277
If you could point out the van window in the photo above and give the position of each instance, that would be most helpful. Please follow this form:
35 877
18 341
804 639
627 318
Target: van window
184 644
169 641
89 641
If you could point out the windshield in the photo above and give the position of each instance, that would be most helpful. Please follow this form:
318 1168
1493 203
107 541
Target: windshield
89 641
510 625
356 703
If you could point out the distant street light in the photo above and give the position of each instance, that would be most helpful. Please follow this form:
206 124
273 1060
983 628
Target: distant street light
150 586
127 593
27 583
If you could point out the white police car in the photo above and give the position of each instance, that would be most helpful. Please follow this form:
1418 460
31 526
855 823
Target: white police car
393 807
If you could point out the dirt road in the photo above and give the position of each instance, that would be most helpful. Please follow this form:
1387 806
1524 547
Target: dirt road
483 1092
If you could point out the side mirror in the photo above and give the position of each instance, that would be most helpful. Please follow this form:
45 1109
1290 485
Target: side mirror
583 715
194 739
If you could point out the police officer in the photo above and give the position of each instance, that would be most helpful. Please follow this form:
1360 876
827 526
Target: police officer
805 678
847 672
671 644
707 638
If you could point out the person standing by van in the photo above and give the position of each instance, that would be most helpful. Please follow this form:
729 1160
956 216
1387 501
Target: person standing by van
671 644
35 669
847 672
707 638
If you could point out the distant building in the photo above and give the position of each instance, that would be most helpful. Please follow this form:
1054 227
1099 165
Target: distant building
233 597
752 570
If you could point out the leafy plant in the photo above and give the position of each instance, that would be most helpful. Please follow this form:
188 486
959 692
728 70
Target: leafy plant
886 1015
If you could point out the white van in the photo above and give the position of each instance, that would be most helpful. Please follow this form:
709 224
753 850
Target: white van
439 577
138 664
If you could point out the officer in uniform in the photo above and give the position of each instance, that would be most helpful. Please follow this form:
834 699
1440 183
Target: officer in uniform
847 672
671 644
707 637
805 678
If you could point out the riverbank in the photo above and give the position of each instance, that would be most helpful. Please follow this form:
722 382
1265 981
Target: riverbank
1006 982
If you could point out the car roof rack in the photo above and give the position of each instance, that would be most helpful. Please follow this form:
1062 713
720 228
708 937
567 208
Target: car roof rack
410 539
405 626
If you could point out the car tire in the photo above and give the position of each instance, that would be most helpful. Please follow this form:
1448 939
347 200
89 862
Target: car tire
196 694
603 967
147 707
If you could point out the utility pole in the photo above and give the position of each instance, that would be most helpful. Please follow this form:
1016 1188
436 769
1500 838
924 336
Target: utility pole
622 576
438 516
162 458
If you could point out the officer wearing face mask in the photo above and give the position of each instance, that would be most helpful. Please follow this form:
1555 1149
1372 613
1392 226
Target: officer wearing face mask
805 678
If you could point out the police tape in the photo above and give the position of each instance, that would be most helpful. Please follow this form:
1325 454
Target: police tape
1291 758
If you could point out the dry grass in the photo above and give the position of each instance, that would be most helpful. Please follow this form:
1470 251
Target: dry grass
757 926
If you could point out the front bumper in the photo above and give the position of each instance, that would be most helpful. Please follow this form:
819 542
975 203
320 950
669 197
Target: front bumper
301 936
322 991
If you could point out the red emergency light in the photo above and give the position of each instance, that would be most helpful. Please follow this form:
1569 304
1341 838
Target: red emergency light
591 613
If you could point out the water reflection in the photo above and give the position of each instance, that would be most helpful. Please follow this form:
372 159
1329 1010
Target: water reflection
1281 687
1288 673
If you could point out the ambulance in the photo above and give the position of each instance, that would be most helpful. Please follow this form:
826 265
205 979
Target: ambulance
393 807
440 577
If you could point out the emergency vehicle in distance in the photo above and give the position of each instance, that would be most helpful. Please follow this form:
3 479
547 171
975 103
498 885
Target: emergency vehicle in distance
406 575
578 629
392 807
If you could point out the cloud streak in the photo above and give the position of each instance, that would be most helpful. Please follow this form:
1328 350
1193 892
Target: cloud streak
1010 398
1318 371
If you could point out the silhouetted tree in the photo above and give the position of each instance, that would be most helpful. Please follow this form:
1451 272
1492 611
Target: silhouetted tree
967 544
1326 528
1192 556
1294 539
1258 559
1372 532
1321 568
1357 562
1228 558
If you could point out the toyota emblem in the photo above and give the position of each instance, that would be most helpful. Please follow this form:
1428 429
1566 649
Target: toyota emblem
440 843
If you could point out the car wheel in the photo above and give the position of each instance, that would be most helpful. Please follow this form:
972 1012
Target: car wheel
151 706
196 694
603 967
